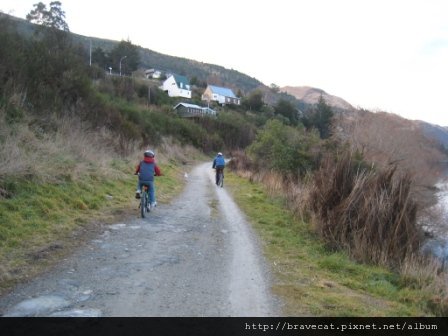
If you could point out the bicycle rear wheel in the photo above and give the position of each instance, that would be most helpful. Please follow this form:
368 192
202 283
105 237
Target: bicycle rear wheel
143 203
221 179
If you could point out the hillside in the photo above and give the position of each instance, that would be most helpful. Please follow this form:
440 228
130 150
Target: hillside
151 59
438 133
311 96
386 138
303 97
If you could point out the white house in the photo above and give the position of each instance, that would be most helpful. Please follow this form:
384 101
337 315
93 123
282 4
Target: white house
153 73
221 95
191 110
177 86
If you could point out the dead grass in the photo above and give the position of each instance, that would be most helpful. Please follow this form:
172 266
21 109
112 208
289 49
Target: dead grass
66 153
370 213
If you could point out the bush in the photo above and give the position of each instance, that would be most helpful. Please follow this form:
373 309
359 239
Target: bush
285 149
369 213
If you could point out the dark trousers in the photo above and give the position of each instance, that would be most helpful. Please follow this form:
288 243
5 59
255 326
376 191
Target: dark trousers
218 170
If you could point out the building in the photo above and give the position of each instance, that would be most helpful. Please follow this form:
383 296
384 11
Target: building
191 110
221 95
153 73
177 86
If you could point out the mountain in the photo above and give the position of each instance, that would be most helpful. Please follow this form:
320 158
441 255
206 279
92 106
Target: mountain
311 96
435 132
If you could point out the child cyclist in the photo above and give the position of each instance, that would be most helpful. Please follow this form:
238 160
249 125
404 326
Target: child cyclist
146 170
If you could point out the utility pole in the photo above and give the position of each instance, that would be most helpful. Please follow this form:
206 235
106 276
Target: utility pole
120 63
90 53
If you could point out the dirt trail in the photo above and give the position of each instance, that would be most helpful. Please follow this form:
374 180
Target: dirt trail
194 257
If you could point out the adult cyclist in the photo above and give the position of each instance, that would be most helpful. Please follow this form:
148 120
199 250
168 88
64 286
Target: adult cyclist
219 163
146 170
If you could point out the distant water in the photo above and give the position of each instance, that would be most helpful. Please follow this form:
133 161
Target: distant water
439 244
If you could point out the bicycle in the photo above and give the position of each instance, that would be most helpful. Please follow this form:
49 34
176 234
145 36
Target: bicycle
220 172
144 205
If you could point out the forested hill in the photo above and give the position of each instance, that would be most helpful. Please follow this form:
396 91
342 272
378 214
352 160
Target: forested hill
152 59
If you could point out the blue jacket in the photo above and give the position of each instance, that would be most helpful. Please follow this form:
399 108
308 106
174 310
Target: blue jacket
219 162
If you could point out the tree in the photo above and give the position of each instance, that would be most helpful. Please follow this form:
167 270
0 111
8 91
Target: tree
128 54
320 117
53 18
253 102
56 73
100 58
288 110
284 148
274 88
13 53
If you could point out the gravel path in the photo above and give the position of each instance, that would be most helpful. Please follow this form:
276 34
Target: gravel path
194 257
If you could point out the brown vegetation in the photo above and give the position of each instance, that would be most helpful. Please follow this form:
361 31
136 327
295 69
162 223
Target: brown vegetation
370 213
28 151
71 149
385 138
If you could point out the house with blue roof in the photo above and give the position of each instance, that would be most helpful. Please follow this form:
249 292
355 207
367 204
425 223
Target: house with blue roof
221 95
177 86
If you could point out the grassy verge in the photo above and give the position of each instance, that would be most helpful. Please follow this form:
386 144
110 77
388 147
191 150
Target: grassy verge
313 281
44 221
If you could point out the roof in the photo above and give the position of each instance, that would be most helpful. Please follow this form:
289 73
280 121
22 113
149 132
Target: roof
188 105
222 91
181 79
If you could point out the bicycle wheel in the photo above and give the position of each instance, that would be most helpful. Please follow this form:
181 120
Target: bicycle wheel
221 179
143 203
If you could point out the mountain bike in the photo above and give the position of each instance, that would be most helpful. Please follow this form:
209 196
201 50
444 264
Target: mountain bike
144 206
220 172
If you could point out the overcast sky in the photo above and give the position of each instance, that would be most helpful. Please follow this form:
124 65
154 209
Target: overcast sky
388 55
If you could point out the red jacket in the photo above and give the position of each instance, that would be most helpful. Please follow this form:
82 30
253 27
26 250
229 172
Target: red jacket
157 171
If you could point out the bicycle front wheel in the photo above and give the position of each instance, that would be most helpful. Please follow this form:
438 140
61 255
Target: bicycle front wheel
143 203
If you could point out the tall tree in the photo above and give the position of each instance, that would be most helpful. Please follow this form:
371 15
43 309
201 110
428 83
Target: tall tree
52 18
100 58
320 117
126 54
56 70
253 102
287 109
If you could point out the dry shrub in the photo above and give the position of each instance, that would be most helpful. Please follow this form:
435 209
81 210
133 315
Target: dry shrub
297 194
240 162
170 150
68 151
369 213
293 189
59 149
12 156
427 273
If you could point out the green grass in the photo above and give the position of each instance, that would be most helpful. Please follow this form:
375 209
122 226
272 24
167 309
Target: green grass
40 216
312 280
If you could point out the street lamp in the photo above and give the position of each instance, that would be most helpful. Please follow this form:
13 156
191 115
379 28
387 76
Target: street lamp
120 62
110 70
